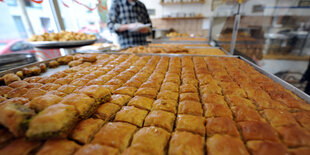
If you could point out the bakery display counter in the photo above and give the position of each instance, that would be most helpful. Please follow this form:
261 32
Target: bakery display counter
150 104
175 49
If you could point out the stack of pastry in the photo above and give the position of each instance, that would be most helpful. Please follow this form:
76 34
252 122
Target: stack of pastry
158 105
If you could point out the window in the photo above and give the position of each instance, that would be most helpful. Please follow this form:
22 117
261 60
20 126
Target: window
11 2
20 46
20 26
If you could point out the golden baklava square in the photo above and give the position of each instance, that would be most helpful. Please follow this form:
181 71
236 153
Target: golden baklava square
125 91
189 97
190 123
141 102
227 144
190 108
183 142
131 115
252 130
165 105
59 146
85 130
161 119
120 100
243 113
146 92
168 95
42 102
115 134
216 110
151 140
96 149
257 147
221 125
106 111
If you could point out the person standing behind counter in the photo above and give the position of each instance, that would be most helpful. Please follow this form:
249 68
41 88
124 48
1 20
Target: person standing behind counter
125 16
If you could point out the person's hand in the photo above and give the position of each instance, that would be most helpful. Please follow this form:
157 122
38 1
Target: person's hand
133 26
144 30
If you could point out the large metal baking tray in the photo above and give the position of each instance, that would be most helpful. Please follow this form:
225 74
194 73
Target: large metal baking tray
61 44
286 85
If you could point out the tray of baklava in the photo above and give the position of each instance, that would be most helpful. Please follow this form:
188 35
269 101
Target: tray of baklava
131 104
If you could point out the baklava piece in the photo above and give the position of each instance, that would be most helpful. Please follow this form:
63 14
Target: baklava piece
53 121
120 100
16 100
213 98
67 88
56 92
50 86
34 85
15 117
279 117
65 60
42 102
63 81
294 135
168 95
233 89
239 101
9 78
84 105
221 125
79 82
216 110
95 82
85 130
300 151
17 84
151 140
59 146
115 134
170 86
225 145
21 146
4 90
111 87
20 74
183 142
165 105
33 93
141 102
252 130
97 149
151 84
53 64
187 88
175 80
116 82
266 147
206 79
33 79
99 93
194 124
161 119
125 91
211 88
107 111
146 92
46 80
131 115
243 113
17 92
190 81
189 97
303 117
133 83
190 108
